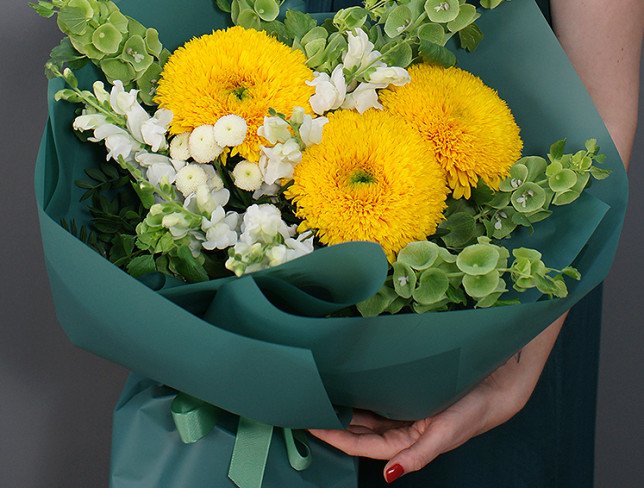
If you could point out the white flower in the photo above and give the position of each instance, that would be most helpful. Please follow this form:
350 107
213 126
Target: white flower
247 176
146 159
118 141
274 130
360 53
329 90
158 172
230 130
120 100
311 129
278 162
220 229
99 90
207 199
389 75
136 117
298 115
266 189
154 130
189 178
203 145
262 223
177 224
362 98
179 148
89 121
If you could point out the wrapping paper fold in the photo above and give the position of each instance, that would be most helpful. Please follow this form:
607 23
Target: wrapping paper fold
263 346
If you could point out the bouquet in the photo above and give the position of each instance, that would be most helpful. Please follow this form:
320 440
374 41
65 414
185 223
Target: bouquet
312 205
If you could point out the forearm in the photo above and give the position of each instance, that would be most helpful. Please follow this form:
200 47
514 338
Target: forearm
603 41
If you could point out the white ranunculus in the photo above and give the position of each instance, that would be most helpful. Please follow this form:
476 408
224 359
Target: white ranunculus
189 178
329 90
179 148
230 130
121 100
311 130
247 176
203 145
275 129
362 98
389 75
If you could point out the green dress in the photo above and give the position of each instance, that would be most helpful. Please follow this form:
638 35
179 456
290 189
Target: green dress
550 443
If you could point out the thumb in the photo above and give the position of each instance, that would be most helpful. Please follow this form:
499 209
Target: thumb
428 446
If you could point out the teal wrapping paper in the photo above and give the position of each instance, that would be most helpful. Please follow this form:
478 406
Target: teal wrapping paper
262 346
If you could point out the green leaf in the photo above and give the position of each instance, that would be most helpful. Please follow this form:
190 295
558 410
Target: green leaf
44 9
562 180
107 39
74 18
188 266
557 149
267 9
136 54
404 279
115 69
477 259
480 286
378 303
298 23
152 42
435 54
442 11
224 5
529 197
599 173
470 37
432 33
462 230
466 15
432 286
398 54
571 272
490 4
397 21
418 255
141 265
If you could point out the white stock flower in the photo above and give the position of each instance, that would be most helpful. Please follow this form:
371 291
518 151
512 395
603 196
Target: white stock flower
120 100
179 148
230 130
266 189
135 118
360 53
102 95
89 121
203 145
158 172
362 98
189 178
220 229
207 200
177 224
147 159
247 176
311 130
329 90
155 128
274 130
389 75
277 162
118 142
262 223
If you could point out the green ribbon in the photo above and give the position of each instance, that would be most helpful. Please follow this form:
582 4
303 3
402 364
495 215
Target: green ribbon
195 419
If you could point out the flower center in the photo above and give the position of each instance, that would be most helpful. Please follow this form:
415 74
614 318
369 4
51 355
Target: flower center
240 92
361 177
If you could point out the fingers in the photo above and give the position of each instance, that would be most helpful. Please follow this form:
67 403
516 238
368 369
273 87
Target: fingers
374 422
365 443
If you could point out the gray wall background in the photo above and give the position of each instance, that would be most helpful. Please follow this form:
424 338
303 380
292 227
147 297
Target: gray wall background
56 400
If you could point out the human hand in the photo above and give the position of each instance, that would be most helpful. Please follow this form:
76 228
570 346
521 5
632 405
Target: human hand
409 446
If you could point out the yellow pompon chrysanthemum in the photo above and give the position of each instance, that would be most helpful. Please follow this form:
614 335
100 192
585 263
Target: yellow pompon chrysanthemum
370 179
471 129
235 71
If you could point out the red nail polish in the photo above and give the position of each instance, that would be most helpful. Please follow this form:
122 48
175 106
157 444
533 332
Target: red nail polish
393 473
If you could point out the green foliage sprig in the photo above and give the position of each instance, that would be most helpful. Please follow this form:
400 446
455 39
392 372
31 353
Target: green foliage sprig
97 31
525 197
402 30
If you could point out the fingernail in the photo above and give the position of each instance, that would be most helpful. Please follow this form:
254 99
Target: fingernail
393 473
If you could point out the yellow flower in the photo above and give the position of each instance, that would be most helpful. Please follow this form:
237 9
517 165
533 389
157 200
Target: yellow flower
235 71
471 129
370 179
